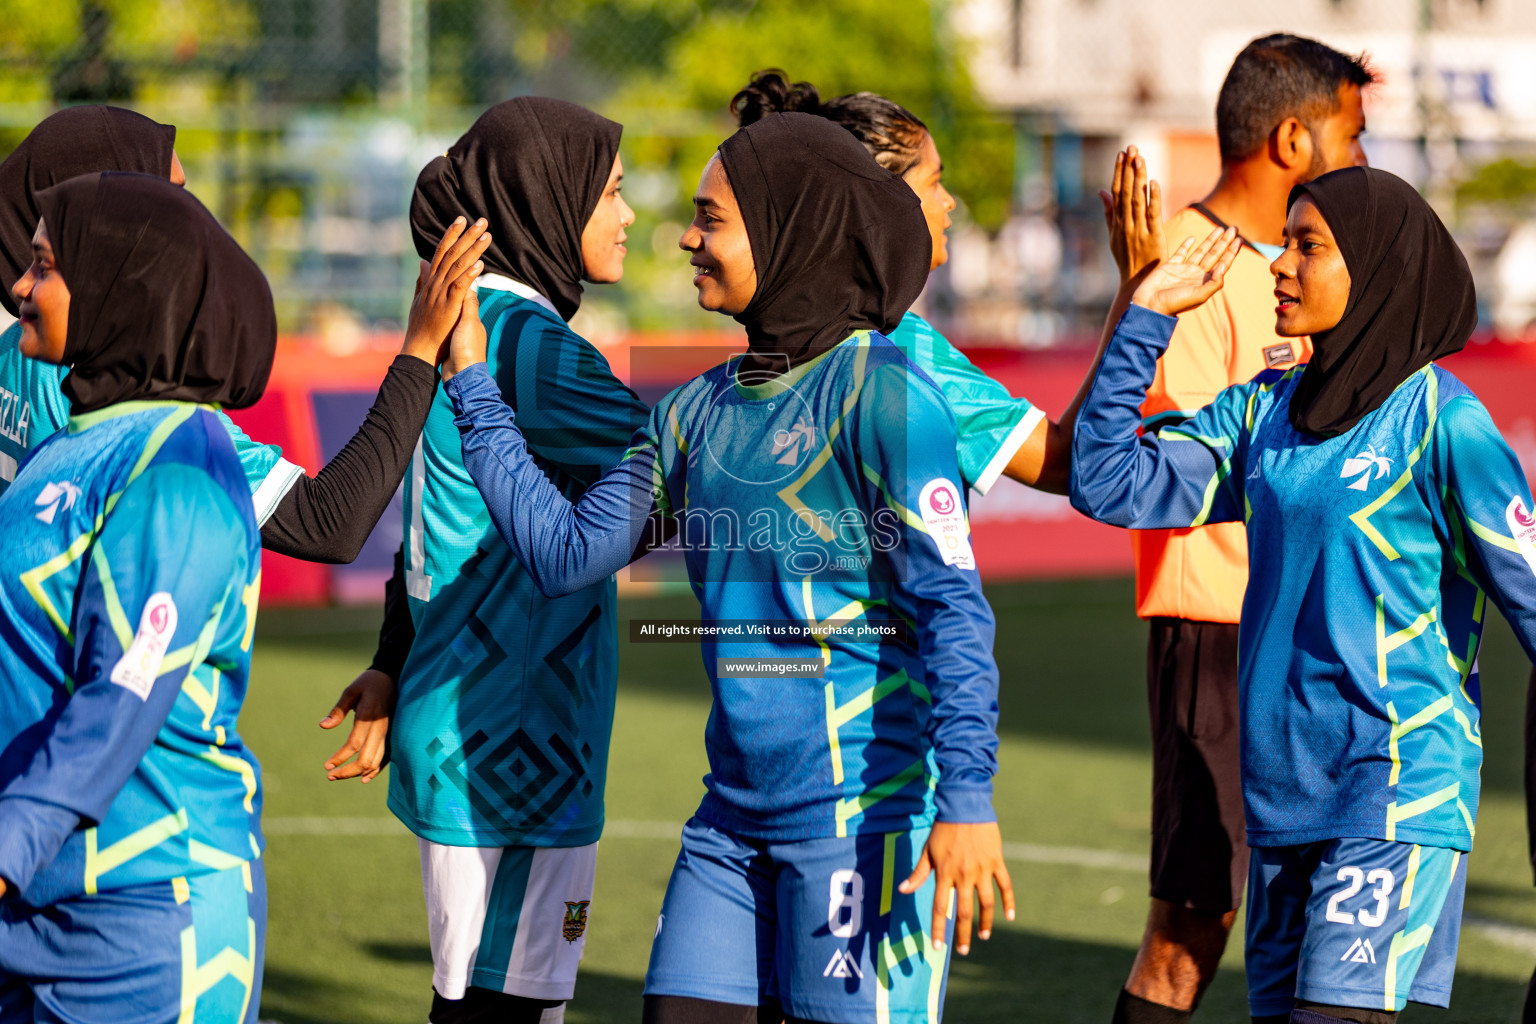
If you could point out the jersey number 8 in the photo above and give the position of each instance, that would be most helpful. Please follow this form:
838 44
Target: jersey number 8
846 898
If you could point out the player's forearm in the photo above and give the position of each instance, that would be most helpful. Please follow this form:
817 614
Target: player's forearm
564 547
955 645
1120 476
1486 493
31 834
1044 460
1122 302
85 759
398 630
328 518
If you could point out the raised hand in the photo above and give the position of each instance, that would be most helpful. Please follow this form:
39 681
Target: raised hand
1190 276
466 346
1133 213
440 289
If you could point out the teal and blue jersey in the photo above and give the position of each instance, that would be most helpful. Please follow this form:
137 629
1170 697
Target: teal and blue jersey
31 404
1372 558
132 567
990 423
33 407
829 495
500 734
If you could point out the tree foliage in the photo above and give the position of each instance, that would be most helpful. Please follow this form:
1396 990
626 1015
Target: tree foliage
899 48
1505 181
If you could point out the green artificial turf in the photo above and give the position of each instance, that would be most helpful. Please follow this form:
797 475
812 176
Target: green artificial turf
347 936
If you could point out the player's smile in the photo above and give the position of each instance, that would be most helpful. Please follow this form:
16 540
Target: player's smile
718 248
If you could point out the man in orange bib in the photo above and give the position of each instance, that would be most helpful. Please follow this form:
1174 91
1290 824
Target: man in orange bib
1290 109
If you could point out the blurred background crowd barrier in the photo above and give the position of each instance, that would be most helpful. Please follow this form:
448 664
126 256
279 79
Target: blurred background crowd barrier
302 124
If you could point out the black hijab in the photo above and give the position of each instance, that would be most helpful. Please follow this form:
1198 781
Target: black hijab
163 304
74 141
1411 299
840 243
534 168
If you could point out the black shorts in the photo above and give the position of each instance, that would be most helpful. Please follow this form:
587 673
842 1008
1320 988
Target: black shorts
1199 842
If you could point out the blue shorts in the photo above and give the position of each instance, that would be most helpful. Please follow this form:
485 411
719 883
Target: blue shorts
817 925
144 955
1363 923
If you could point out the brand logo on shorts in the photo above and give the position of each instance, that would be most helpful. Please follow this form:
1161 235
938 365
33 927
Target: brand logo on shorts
842 965
576 920
1360 953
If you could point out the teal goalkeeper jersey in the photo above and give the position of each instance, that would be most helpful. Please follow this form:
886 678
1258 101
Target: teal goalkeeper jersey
500 734
1372 557
991 423
132 565
31 404
32 407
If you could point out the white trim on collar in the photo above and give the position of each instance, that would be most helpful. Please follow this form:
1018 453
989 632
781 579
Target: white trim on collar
502 283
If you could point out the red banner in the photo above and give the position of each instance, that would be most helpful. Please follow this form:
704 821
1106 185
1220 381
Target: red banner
1017 532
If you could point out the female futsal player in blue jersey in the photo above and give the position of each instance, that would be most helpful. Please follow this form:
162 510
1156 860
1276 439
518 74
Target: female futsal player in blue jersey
1000 435
1383 509
130 843
130 836
812 481
325 518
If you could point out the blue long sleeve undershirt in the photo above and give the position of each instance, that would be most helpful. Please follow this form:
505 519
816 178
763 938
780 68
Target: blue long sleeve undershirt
564 547
1140 480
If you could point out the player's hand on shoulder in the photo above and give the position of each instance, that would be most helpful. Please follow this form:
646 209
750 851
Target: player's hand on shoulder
1191 275
965 859
371 700
441 285
467 344
1133 213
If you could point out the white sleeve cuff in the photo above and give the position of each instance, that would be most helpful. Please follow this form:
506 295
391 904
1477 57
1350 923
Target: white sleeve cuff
1010 446
278 482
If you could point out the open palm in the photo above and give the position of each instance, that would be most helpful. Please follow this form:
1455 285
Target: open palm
1190 276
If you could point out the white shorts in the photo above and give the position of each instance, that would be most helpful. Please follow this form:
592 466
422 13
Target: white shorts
510 919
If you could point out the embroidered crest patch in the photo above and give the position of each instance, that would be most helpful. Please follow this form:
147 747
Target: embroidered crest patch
575 920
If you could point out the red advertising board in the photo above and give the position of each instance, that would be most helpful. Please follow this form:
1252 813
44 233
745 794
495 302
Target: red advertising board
315 401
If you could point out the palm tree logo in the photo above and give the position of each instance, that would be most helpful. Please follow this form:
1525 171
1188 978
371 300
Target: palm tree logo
1362 464
788 442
